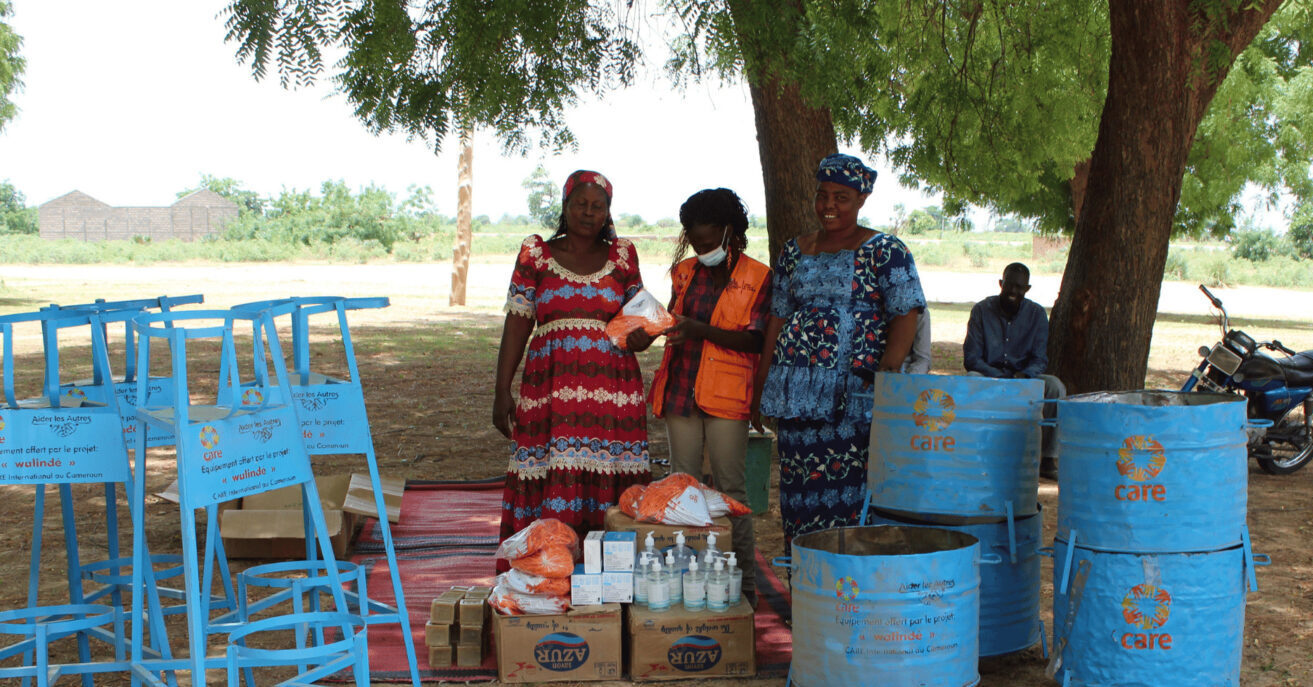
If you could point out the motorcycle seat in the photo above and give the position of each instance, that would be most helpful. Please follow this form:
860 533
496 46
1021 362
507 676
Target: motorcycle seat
1298 368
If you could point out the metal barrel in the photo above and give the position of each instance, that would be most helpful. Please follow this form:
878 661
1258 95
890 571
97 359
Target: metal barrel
1165 620
1152 471
1009 591
961 446
901 603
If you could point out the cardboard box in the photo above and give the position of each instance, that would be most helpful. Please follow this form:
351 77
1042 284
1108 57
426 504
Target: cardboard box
359 498
582 645
679 644
617 587
664 535
618 551
585 588
269 525
593 552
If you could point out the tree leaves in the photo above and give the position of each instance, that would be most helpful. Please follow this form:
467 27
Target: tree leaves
11 65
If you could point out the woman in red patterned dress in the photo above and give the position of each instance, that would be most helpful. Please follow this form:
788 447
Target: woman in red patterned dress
579 427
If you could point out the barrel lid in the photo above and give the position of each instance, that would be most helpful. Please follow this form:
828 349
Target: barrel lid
884 540
1155 398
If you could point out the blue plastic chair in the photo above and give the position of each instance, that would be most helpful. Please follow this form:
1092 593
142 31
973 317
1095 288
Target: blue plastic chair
63 439
225 450
334 422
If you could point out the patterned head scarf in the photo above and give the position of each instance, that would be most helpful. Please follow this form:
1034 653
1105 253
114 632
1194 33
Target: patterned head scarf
584 176
848 171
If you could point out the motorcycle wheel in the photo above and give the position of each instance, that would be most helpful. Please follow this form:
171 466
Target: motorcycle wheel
1287 446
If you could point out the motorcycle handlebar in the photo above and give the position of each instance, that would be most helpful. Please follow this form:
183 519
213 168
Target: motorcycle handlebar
1277 345
1217 303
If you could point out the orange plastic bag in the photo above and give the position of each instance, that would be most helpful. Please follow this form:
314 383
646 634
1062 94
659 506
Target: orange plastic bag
537 536
523 583
719 504
643 310
629 500
552 561
675 500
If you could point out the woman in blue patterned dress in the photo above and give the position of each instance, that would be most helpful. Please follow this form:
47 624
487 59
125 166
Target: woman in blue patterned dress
844 308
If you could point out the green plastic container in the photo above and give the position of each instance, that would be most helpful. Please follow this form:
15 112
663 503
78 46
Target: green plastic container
758 470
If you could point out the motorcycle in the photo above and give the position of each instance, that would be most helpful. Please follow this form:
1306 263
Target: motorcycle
1276 389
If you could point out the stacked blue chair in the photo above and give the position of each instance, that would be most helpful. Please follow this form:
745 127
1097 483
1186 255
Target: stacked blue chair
226 450
62 439
962 453
1152 558
334 421
113 575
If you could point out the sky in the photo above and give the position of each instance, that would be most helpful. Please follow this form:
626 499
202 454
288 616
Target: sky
130 102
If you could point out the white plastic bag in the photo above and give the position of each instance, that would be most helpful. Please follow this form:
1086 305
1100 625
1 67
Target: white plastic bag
508 602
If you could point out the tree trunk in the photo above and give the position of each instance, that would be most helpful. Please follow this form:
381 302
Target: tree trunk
460 258
793 138
1158 90
792 135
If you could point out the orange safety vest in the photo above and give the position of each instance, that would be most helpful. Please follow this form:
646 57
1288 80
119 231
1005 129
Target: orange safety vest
724 383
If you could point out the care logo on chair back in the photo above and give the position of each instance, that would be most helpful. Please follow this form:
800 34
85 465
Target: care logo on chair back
209 437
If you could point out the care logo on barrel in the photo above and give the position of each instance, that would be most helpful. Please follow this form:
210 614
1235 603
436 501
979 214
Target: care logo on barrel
934 410
561 651
1146 607
1140 458
846 588
693 653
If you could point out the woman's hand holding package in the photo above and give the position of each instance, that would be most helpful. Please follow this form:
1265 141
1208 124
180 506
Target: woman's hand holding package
686 329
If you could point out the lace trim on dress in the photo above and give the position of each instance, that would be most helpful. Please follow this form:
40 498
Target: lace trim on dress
519 305
622 248
570 323
579 393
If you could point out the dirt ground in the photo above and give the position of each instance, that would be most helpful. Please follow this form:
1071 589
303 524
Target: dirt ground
428 385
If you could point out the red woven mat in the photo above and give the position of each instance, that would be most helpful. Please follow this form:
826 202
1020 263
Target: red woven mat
447 535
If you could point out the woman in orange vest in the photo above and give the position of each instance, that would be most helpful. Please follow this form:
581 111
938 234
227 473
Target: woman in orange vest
721 301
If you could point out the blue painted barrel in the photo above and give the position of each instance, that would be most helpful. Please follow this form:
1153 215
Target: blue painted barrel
957 446
1009 591
901 603
1165 620
1152 471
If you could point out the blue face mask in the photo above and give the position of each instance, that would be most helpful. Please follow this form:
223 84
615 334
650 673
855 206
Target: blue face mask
717 256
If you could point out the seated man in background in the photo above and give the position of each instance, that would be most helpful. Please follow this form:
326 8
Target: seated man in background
918 359
1008 337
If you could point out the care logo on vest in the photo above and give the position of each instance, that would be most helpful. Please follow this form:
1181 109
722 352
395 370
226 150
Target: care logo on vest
934 410
693 653
1140 458
561 651
1146 608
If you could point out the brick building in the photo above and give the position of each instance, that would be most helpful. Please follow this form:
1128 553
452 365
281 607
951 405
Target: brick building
76 215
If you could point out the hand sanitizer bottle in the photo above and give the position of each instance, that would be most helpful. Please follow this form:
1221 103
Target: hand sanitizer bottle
735 578
711 549
658 588
718 589
640 578
649 548
683 553
676 579
695 588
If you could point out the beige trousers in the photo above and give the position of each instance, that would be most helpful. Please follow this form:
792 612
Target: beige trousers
726 444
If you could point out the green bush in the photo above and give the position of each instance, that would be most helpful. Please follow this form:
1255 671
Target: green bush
1257 245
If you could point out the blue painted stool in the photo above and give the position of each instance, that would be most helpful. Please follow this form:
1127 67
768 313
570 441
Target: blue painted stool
348 652
333 422
226 450
62 439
